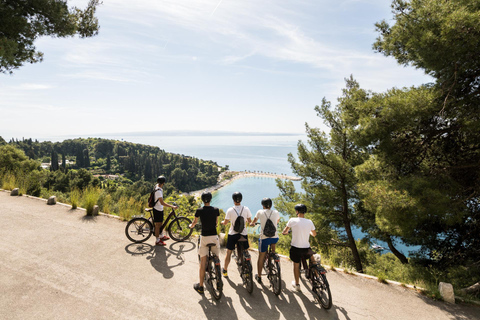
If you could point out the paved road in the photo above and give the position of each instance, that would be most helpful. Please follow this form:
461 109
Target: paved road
57 264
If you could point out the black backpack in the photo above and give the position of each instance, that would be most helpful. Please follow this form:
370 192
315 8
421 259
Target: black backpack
151 198
269 229
239 224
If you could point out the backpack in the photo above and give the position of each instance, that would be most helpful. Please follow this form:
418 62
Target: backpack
151 199
239 224
269 229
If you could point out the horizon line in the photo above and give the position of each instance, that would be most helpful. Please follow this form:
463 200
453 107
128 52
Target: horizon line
193 133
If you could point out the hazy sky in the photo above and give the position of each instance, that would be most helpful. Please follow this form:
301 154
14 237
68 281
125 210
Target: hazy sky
243 65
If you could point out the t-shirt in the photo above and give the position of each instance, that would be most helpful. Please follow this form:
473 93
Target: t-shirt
208 217
232 216
301 228
158 194
265 214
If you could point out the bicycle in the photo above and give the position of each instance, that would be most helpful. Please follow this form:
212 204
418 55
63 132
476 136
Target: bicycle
140 229
271 265
213 273
315 274
244 264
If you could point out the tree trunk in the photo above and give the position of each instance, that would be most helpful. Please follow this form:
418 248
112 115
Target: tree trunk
353 246
394 250
474 289
348 229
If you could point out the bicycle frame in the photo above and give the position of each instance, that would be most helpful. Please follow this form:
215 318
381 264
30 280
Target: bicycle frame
165 221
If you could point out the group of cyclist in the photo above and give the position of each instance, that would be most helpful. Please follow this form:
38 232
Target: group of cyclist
301 228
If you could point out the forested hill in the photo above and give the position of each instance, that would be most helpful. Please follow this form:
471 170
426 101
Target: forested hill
132 161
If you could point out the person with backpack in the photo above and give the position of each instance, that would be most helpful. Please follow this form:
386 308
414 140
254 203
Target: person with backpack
237 215
302 228
208 217
158 211
268 235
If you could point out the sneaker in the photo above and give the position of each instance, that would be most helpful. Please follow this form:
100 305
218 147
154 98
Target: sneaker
164 238
225 273
198 288
160 243
258 278
296 287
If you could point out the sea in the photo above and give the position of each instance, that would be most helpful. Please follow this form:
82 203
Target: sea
265 153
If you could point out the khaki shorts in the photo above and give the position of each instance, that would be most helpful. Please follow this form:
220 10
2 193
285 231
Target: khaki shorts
203 249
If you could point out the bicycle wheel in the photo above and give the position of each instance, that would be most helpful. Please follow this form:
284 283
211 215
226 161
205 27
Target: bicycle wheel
275 275
321 288
214 278
247 274
178 229
138 230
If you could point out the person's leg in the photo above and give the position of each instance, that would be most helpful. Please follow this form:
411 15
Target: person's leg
261 258
296 272
158 225
203 265
227 259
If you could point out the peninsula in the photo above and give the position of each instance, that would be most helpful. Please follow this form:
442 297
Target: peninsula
227 177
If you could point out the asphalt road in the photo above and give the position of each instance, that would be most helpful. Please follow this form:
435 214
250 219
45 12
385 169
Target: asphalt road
55 263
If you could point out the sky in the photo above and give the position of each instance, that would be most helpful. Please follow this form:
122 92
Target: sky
200 65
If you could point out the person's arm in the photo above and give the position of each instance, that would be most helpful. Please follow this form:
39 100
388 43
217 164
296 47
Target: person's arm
166 204
225 222
253 222
249 221
285 231
193 223
313 233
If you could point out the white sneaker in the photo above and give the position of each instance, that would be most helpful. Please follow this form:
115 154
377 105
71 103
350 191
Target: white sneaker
296 287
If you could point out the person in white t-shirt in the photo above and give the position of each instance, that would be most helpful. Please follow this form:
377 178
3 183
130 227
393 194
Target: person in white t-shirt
263 242
300 246
158 211
232 214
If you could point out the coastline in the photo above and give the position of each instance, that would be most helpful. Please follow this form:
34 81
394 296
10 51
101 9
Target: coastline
228 177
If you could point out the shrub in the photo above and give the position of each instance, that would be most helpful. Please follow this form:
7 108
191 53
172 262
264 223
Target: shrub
9 181
90 198
75 198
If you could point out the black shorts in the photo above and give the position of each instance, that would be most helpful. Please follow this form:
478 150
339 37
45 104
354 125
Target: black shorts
296 254
157 215
233 239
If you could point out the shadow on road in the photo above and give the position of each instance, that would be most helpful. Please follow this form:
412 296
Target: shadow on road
88 219
159 256
456 311
218 310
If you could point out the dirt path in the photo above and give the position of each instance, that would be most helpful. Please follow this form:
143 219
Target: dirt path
57 264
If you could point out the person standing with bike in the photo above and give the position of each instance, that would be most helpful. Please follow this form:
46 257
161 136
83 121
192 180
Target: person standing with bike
158 211
302 228
236 212
266 238
208 216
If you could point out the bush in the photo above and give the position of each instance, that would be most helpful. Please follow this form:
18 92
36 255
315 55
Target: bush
90 198
9 181
75 198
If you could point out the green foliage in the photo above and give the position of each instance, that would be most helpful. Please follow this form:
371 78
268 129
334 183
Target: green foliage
440 37
132 162
22 22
